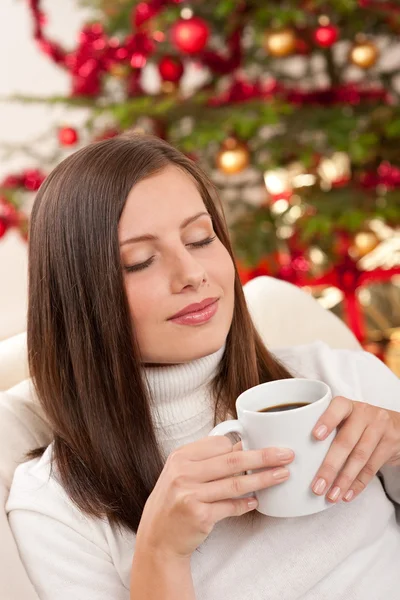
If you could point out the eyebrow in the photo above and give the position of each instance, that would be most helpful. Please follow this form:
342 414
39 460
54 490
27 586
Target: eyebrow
148 237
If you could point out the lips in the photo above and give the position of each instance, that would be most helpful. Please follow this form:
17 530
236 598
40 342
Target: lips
193 308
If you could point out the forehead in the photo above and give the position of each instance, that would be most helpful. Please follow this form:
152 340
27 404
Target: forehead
162 200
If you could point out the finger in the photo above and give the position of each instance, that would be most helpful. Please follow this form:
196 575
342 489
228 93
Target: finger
357 461
232 508
233 487
378 458
360 459
339 409
237 462
341 447
204 448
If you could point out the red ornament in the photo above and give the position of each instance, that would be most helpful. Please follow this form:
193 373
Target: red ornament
326 35
170 68
190 35
33 179
67 136
139 46
142 13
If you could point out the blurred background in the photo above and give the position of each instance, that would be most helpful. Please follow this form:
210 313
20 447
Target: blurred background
291 107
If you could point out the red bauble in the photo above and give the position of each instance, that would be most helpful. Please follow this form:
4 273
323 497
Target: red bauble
33 179
142 13
190 35
67 136
326 35
170 68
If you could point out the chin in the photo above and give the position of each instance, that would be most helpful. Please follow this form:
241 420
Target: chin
188 348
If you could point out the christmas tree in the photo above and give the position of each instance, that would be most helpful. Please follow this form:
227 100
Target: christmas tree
292 107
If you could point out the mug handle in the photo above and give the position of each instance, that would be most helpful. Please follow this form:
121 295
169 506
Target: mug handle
233 426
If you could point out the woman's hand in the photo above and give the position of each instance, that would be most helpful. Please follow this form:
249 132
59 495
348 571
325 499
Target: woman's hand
368 437
199 486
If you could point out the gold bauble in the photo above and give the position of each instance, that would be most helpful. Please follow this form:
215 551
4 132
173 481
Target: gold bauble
120 71
364 54
233 156
363 243
169 87
280 42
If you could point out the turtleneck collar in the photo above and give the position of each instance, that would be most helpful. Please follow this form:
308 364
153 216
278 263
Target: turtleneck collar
181 398
171 382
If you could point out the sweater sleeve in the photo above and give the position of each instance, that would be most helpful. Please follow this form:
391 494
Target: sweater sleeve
64 553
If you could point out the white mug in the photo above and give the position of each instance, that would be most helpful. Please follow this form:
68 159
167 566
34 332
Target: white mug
288 429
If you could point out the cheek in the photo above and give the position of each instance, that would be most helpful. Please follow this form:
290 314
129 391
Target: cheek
223 270
142 300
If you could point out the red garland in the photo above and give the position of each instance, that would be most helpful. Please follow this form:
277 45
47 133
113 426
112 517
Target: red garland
30 179
10 215
241 90
386 174
95 54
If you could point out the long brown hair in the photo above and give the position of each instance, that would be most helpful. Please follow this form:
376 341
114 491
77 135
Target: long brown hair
83 356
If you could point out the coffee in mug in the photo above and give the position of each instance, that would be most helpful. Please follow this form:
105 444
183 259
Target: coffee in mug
281 407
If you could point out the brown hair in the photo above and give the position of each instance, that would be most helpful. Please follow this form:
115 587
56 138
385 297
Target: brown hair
83 357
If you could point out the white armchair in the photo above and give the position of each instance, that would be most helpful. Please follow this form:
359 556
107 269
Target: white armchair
284 316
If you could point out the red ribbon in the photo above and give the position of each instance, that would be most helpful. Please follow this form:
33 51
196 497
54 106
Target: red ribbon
346 277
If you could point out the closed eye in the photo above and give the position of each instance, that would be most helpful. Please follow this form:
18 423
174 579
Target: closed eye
202 242
147 263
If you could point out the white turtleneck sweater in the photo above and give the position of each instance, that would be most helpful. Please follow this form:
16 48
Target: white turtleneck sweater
347 552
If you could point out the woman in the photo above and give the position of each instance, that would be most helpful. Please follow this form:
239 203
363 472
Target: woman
139 342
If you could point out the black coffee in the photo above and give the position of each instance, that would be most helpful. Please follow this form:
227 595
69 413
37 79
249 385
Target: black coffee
282 407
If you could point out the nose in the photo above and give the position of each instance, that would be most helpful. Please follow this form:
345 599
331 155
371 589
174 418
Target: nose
186 272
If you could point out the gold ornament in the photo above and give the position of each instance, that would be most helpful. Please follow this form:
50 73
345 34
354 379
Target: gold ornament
169 87
120 71
364 54
233 156
279 43
363 243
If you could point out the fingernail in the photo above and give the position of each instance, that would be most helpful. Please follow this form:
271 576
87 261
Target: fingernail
252 503
349 495
280 473
334 494
321 431
284 454
319 486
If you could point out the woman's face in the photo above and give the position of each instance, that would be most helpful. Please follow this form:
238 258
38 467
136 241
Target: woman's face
176 260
